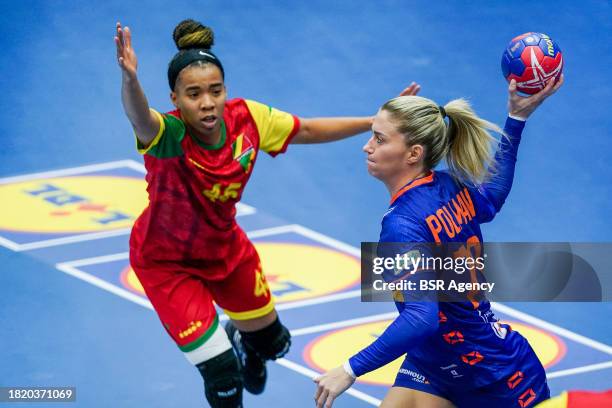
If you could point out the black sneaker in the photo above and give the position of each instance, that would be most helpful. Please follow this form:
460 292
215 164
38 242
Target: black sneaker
252 367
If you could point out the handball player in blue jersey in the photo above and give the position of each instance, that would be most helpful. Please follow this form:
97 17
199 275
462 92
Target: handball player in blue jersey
457 353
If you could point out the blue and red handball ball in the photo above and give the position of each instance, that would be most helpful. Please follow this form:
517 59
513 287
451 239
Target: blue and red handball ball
532 59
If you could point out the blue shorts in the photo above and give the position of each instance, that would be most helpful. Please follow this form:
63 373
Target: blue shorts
526 387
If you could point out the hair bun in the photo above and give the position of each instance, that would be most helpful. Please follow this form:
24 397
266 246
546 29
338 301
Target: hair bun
192 34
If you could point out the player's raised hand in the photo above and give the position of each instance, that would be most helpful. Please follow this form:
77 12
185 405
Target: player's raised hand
330 385
523 107
126 57
411 90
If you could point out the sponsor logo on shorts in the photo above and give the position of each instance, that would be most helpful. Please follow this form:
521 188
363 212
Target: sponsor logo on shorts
420 378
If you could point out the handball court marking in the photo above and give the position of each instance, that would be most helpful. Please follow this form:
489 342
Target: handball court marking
242 209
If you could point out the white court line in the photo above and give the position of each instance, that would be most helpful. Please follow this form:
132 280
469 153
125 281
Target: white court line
283 229
319 300
102 284
98 259
9 244
244 209
298 368
134 165
71 239
334 243
69 171
579 370
344 323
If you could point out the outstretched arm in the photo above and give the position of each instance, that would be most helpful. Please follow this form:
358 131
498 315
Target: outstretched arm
496 190
321 130
145 123
418 317
415 323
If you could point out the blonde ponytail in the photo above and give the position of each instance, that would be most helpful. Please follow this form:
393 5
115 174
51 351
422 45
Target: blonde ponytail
469 155
465 143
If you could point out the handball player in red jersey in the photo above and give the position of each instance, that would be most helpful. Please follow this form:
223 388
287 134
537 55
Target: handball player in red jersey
186 247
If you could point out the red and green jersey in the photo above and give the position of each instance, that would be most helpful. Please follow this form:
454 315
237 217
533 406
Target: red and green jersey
193 187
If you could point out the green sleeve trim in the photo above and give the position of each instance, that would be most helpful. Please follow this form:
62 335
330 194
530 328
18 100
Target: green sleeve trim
202 339
168 141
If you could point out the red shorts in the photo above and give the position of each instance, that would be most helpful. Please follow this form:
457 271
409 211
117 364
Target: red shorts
184 300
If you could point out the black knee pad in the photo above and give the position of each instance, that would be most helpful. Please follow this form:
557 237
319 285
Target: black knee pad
269 343
222 381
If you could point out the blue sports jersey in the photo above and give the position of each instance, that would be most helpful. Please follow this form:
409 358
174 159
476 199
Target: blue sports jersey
460 345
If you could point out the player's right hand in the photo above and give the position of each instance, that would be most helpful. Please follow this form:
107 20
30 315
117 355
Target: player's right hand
126 57
522 107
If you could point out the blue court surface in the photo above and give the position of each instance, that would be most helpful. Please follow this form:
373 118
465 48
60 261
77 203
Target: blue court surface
72 312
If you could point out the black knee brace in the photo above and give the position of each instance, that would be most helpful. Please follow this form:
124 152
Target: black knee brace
222 382
269 343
